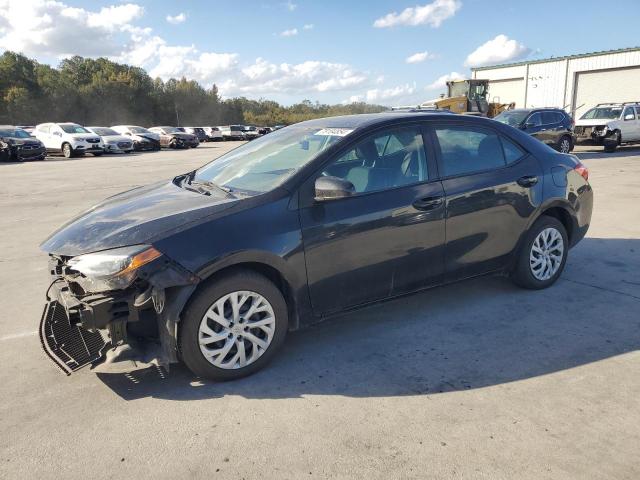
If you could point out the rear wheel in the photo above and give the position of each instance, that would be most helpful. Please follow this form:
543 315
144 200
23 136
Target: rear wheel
233 327
67 151
543 255
565 145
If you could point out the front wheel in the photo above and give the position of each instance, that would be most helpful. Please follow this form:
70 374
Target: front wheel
233 327
611 143
543 255
67 151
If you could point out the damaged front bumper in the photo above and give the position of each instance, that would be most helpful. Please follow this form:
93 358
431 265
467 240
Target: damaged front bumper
115 331
594 135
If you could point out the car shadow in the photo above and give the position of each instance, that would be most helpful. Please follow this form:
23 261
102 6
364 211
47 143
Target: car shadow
473 334
597 153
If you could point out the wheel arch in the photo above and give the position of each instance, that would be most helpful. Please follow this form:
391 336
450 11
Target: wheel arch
272 267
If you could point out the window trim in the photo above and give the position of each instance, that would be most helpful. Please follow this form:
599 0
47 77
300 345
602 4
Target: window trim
438 151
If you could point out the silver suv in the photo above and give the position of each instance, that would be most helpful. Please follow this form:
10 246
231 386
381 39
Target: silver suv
610 125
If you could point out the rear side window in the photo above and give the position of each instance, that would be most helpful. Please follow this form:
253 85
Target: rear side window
551 117
512 152
468 149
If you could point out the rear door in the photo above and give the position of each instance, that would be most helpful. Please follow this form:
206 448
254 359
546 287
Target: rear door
492 187
385 240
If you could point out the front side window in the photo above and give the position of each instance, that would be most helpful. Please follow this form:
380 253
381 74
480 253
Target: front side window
535 120
467 150
385 160
628 111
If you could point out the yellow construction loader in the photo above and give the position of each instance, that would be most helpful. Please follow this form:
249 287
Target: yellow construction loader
467 97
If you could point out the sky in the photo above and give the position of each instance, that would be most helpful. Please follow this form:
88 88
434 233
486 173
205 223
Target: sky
379 51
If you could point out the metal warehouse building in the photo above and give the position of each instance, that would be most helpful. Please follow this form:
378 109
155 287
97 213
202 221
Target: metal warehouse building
575 82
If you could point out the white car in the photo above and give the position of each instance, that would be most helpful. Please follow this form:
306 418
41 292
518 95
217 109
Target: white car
250 132
232 132
142 138
213 134
113 141
609 124
69 138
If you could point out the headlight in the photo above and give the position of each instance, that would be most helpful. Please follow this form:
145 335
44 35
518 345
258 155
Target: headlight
113 269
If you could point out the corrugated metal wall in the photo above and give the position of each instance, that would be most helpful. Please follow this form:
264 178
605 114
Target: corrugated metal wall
553 83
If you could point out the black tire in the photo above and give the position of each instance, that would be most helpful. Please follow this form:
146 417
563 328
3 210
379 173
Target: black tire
611 143
565 144
97 154
522 274
242 280
67 150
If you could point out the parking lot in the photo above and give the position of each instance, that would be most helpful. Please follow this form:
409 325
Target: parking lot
475 380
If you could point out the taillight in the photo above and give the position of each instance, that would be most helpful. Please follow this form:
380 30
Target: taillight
582 170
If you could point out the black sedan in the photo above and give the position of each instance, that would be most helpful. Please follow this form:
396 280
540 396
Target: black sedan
215 266
16 145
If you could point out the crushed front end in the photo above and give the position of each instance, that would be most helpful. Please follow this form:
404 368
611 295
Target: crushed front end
119 320
591 134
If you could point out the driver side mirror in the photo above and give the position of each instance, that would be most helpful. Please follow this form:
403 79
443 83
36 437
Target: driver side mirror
529 125
333 188
629 116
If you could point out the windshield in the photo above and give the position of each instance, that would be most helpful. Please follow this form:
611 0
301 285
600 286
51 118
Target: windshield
265 163
70 128
609 113
171 130
138 130
104 131
513 119
236 127
15 133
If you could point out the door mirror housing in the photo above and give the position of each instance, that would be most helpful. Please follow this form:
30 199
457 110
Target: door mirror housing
528 125
333 188
629 116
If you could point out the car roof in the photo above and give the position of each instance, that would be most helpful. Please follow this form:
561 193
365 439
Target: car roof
372 119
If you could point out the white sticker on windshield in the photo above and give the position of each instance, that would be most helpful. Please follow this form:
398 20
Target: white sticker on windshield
335 132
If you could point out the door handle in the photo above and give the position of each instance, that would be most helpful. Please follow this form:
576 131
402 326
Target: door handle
527 181
428 203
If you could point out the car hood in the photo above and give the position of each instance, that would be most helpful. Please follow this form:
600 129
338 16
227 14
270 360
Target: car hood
83 136
183 136
116 138
146 136
593 122
22 141
137 216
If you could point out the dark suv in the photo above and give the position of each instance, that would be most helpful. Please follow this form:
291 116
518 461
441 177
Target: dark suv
552 126
216 265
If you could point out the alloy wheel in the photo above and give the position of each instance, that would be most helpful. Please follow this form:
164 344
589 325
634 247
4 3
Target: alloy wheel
236 330
565 145
547 253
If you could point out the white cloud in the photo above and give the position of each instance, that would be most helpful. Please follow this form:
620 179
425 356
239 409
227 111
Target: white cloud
176 19
441 82
420 57
499 50
308 26
47 28
289 5
384 95
51 28
432 14
289 33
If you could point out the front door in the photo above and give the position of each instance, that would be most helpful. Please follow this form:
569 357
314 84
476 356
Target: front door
492 187
388 238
